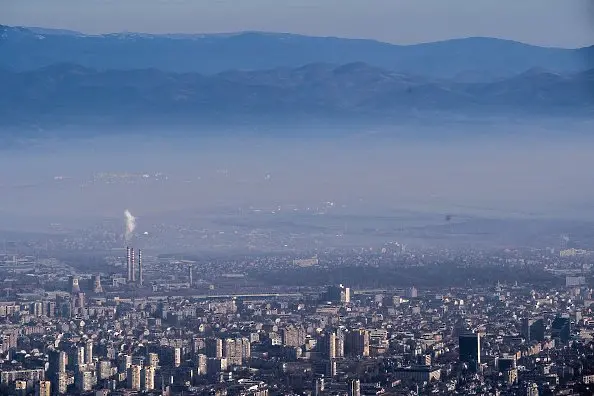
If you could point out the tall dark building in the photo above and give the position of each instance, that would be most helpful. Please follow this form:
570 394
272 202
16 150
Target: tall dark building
533 329
470 349
506 363
338 294
561 329
214 348
57 363
357 343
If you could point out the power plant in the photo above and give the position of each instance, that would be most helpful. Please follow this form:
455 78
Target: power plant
129 263
131 266
140 280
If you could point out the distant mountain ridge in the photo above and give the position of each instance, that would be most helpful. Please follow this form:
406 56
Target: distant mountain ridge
67 93
470 60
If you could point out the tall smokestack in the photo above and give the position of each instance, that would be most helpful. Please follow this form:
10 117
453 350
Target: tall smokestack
132 265
190 273
140 280
129 264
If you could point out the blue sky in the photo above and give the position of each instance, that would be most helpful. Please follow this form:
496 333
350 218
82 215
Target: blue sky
564 23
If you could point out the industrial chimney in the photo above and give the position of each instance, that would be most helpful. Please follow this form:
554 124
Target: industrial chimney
140 279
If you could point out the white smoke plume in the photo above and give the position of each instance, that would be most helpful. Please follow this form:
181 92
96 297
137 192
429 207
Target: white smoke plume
130 224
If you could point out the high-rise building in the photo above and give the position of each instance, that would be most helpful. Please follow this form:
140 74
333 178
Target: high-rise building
147 378
153 360
64 306
561 329
354 387
216 365
89 352
32 375
470 349
49 308
73 284
424 359
43 388
332 368
339 352
236 350
198 345
319 387
125 361
80 356
79 301
533 329
357 343
202 362
84 380
230 351
331 345
104 369
56 370
97 288
214 348
58 360
505 363
177 357
246 348
61 385
412 292
36 308
293 336
133 377
190 270
338 294
9 338
138 360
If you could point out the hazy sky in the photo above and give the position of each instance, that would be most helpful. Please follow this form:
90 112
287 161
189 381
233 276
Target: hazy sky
566 23
502 175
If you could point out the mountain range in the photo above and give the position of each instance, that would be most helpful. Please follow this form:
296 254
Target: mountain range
470 59
56 77
66 93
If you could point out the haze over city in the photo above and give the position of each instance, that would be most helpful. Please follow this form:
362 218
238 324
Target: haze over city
314 198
